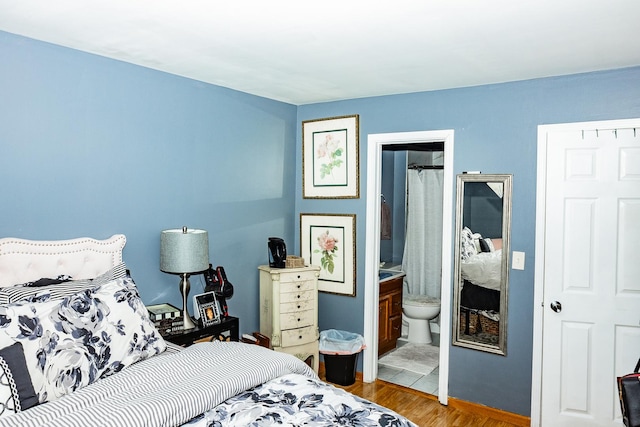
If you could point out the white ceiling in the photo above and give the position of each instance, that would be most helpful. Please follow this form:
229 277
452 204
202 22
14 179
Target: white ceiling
303 52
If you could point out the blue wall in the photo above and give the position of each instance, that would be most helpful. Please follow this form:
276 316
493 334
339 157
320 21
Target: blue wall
92 147
393 189
495 132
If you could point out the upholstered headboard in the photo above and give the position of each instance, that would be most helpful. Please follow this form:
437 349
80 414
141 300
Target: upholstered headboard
84 258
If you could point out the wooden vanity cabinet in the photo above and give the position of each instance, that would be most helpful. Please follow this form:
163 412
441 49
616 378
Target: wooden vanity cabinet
389 314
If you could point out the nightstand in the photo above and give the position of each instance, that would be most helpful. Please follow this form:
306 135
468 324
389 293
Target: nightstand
226 330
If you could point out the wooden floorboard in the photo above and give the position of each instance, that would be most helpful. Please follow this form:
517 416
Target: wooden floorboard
426 411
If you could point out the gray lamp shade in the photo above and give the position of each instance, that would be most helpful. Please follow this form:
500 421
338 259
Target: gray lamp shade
184 251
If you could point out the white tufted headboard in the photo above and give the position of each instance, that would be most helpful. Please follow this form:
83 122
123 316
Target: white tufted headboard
84 258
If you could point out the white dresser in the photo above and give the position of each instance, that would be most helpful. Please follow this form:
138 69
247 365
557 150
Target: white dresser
289 310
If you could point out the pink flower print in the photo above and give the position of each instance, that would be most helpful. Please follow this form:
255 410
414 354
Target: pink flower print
331 143
330 149
328 247
327 242
321 151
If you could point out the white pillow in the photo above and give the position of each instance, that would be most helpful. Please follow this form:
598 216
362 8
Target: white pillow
72 342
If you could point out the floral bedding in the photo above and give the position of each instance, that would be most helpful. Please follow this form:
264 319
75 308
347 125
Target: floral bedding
169 389
296 400
71 342
86 354
247 385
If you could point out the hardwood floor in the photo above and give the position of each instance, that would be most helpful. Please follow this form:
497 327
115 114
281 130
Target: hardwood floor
426 411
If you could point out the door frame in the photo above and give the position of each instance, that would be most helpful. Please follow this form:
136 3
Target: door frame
538 291
375 143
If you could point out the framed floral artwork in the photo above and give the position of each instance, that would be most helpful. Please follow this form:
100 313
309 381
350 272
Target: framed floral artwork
328 241
330 158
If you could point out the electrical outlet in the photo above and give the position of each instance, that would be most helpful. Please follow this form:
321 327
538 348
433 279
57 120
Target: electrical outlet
518 260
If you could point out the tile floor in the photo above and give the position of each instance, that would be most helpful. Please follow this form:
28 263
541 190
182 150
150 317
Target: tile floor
424 383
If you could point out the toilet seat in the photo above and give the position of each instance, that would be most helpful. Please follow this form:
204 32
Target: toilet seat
420 300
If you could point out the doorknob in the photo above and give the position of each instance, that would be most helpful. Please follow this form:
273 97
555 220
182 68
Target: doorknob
556 306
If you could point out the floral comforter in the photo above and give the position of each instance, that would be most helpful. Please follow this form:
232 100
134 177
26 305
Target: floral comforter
296 400
241 382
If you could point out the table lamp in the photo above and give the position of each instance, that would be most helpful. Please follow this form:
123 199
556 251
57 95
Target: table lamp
184 252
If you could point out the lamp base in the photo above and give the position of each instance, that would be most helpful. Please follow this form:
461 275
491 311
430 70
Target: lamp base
185 287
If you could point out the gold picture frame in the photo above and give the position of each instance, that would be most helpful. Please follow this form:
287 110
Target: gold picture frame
330 158
328 241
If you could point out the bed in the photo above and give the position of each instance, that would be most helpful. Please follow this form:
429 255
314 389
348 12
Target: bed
481 270
77 348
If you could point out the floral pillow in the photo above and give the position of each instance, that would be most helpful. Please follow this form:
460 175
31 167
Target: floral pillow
71 342
467 245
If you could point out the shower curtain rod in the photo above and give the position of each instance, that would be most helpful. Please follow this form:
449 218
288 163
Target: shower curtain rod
420 167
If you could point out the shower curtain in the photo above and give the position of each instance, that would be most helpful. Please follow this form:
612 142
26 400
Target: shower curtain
422 259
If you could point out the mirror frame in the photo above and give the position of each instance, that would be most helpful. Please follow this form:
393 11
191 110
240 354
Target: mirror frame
506 180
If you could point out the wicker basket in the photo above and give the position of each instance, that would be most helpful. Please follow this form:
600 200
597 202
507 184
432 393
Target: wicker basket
489 326
293 261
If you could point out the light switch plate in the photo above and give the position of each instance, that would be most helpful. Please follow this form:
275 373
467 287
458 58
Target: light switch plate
518 260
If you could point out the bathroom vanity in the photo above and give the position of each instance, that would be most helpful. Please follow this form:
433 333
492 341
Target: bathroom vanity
390 310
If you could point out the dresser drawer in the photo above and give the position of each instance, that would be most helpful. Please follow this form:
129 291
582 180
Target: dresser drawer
297 319
299 276
307 285
297 296
299 336
289 307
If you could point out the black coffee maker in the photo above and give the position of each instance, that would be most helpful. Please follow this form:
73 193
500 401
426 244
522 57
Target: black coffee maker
277 252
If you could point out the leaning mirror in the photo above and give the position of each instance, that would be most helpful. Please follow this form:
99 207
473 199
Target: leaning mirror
481 279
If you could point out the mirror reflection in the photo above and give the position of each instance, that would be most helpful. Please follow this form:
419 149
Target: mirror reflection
483 222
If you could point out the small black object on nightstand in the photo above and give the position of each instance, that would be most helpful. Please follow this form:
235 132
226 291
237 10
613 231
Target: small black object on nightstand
226 330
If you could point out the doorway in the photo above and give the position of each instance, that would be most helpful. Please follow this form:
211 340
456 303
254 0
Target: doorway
586 290
375 144
411 242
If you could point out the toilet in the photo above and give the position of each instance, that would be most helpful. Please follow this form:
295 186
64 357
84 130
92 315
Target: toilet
417 311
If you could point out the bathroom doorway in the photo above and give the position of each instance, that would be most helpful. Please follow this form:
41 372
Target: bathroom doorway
411 243
404 141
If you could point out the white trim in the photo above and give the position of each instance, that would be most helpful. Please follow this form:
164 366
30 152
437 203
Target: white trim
536 364
538 290
372 248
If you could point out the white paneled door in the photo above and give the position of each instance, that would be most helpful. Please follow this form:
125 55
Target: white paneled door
590 270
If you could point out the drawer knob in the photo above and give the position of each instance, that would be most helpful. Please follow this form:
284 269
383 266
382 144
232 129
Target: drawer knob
298 305
298 319
299 337
298 296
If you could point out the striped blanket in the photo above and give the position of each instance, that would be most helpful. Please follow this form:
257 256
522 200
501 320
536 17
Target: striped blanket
166 390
